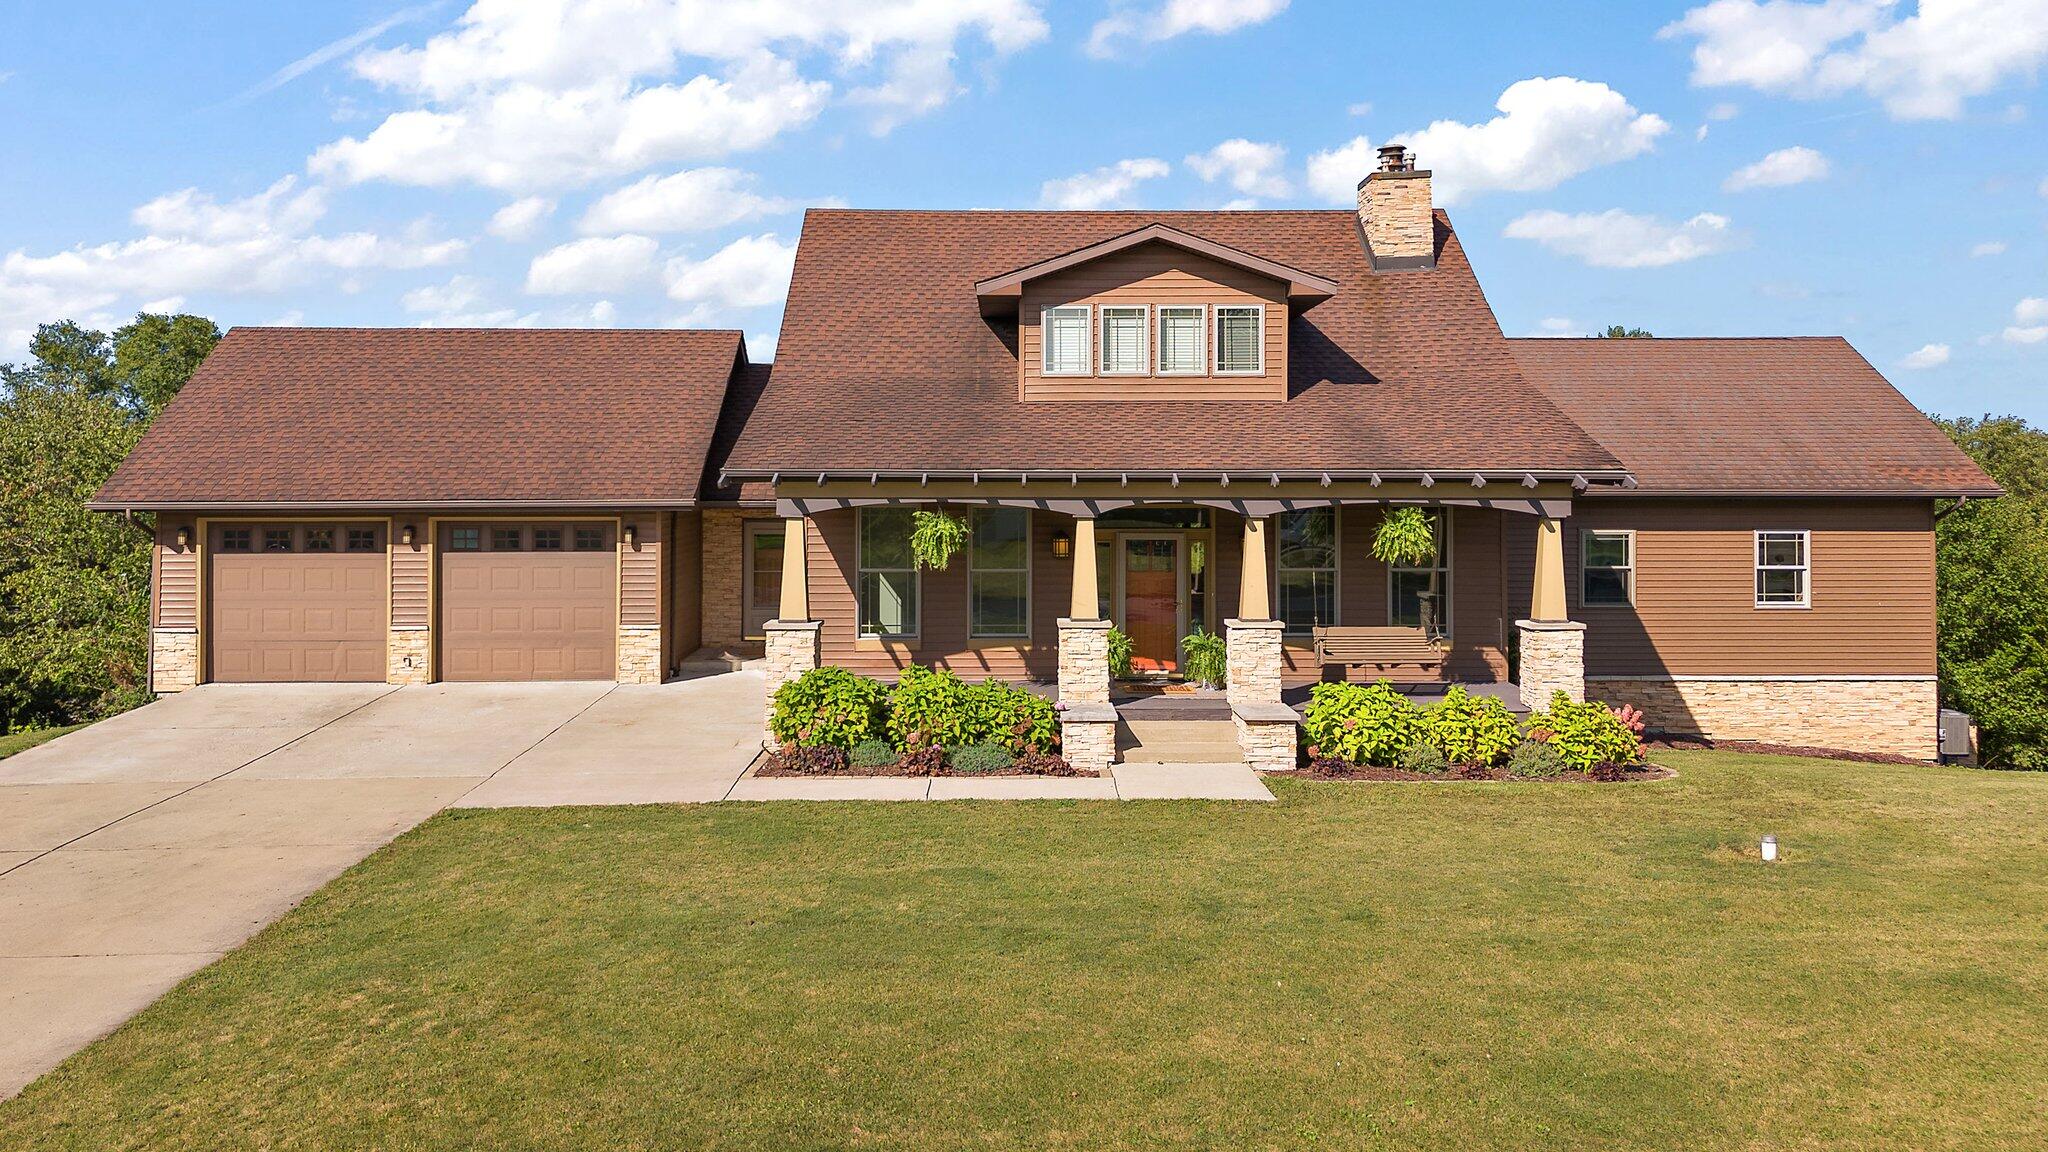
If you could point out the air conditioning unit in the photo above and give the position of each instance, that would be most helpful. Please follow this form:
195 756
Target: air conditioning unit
1958 737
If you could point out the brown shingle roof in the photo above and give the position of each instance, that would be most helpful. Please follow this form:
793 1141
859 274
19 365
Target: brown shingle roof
886 363
419 415
1750 416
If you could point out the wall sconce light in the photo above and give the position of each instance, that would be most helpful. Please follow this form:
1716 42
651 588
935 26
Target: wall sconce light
1770 848
184 537
405 535
1062 544
632 535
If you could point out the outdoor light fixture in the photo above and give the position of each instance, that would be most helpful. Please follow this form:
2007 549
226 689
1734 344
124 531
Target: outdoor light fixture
405 535
632 536
1062 544
184 536
1770 848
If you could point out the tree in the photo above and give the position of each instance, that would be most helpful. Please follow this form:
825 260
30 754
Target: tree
1991 593
1618 332
74 585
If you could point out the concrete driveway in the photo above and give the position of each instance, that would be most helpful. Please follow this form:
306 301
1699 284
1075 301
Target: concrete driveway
137 851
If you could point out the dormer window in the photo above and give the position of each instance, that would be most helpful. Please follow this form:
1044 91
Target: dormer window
1240 339
1182 351
1067 351
1124 343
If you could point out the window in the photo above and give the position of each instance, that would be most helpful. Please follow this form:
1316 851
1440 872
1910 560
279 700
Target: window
465 540
999 572
235 539
1607 569
1305 571
277 539
1064 332
1124 344
504 539
1781 569
362 539
1421 597
589 538
547 539
888 574
319 539
1240 339
1180 340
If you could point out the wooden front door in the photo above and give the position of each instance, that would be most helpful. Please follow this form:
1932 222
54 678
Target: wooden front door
1151 578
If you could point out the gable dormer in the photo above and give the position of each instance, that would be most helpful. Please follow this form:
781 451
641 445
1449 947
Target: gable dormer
1153 314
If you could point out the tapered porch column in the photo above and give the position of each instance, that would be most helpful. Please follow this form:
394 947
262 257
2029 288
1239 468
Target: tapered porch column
793 637
1553 646
1265 725
1086 601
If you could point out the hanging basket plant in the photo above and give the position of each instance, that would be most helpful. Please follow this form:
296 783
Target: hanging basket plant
1406 536
935 538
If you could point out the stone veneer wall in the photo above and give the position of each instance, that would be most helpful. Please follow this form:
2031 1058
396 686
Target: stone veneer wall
1268 746
1088 741
408 656
1553 659
639 659
792 651
173 660
724 548
1896 717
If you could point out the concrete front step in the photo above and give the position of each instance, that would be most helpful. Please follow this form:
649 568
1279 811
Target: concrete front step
1178 742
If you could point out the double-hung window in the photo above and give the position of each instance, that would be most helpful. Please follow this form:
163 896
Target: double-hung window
1182 349
1419 596
888 573
1240 339
1783 563
1125 347
1065 347
1305 568
999 573
1607 568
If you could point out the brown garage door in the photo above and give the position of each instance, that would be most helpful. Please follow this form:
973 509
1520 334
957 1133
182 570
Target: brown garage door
297 602
535 601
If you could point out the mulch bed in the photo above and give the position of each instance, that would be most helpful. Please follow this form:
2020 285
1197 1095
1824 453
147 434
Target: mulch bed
1344 770
1702 744
778 765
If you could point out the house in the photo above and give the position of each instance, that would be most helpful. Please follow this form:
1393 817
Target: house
1165 421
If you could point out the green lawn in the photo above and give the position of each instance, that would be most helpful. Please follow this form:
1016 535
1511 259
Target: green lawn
1452 966
23 741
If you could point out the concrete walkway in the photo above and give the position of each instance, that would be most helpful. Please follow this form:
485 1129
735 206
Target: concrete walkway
1125 782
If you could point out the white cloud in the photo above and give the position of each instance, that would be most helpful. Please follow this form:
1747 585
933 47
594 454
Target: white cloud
333 50
1550 129
688 201
1924 66
1988 248
761 346
521 218
2030 322
593 264
1104 187
750 272
1786 166
2043 189
1929 356
1362 108
553 93
458 294
1616 239
1723 111
1557 327
1177 18
1250 167
1700 133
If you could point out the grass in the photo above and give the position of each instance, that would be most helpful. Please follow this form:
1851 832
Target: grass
23 741
1419 966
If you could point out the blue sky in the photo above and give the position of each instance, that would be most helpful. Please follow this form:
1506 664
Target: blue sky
1852 167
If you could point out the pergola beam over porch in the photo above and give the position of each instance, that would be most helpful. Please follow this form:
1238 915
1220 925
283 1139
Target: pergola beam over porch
1089 498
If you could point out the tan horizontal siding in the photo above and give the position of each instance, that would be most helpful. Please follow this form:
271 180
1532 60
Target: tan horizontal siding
640 572
1154 274
177 573
412 576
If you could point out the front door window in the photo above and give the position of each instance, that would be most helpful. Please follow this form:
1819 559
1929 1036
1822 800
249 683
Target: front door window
764 577
1152 602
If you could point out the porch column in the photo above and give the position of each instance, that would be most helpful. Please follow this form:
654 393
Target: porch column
1265 725
1085 603
793 637
1553 646
1087 718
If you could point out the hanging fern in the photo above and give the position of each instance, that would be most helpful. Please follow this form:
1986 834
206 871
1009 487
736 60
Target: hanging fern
935 537
1406 536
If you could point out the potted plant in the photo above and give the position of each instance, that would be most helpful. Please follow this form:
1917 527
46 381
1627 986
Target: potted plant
1407 536
1207 657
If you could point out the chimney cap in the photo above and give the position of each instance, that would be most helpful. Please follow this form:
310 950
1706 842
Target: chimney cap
1395 158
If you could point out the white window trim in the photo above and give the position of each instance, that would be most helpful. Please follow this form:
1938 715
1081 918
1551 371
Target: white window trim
1336 570
1201 312
1144 312
860 570
1216 341
1443 564
1045 315
1030 527
1586 538
1756 557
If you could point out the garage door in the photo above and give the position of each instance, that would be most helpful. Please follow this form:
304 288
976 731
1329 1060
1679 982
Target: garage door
535 601
297 602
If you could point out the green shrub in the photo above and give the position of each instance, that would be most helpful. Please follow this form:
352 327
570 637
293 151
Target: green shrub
1010 717
1208 655
1425 758
1584 735
1363 724
1119 654
828 706
981 758
1471 729
928 708
1535 758
873 754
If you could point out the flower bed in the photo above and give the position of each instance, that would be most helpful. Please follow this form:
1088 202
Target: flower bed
1371 732
831 722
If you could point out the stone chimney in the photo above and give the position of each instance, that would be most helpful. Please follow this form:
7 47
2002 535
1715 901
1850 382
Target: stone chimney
1395 212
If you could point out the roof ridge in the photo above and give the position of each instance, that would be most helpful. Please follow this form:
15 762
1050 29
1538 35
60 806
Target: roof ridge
469 329
1570 341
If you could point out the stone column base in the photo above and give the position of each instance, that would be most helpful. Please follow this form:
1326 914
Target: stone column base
1553 657
1088 736
406 659
1084 661
173 660
639 656
1253 662
1268 735
793 647
1896 716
